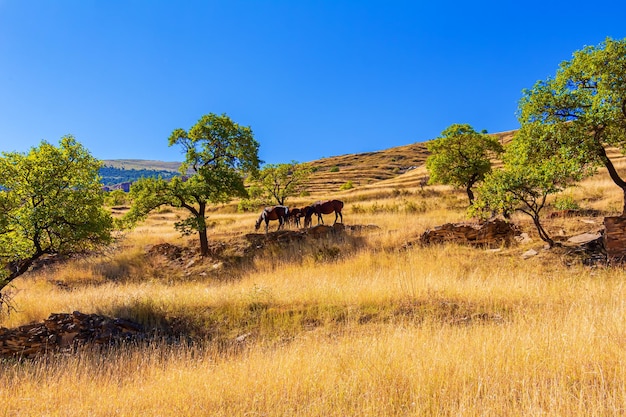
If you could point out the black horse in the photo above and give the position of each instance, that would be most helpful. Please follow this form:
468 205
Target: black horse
279 213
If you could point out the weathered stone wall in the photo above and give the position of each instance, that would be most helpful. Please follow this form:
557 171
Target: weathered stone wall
615 238
492 233
65 332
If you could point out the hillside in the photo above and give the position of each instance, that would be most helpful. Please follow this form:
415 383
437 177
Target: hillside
362 169
399 165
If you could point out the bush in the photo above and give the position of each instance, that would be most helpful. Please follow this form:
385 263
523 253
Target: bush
334 169
566 202
347 186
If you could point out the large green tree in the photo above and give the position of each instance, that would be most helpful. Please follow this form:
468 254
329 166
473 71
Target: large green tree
279 181
51 202
528 176
219 153
461 157
582 109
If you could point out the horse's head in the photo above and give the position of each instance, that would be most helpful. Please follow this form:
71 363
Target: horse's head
258 222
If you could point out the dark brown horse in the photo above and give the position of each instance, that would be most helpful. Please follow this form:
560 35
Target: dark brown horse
303 213
324 207
279 213
295 214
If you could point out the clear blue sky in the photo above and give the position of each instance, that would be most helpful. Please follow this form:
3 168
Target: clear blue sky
311 78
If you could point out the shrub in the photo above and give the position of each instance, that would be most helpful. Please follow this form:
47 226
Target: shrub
566 202
334 169
347 186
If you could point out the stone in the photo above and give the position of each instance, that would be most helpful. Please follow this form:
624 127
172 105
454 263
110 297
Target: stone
615 238
583 238
529 254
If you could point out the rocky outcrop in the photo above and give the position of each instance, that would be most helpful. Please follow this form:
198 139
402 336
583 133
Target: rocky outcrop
615 238
65 333
493 233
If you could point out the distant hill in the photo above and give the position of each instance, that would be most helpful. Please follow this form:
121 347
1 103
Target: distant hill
142 164
121 171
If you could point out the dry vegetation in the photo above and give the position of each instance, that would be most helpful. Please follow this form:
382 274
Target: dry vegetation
354 325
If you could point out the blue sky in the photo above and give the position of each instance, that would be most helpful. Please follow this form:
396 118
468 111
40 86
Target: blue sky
311 78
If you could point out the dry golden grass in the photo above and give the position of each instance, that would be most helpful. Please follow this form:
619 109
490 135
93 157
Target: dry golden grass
354 327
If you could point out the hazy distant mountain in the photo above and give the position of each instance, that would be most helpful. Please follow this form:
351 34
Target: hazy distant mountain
118 171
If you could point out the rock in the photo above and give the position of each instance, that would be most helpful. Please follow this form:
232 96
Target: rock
583 238
523 238
588 249
615 238
529 254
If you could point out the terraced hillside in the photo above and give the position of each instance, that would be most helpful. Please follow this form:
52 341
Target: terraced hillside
401 167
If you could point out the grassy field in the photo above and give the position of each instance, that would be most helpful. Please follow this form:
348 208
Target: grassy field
357 325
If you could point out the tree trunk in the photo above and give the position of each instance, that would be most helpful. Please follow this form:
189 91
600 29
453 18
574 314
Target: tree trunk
470 194
542 232
19 267
614 176
204 242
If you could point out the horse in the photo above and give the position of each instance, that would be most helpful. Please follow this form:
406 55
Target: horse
279 213
304 212
295 214
324 207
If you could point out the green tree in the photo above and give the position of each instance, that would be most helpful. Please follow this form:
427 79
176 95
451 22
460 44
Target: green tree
527 178
116 198
218 155
51 203
279 181
582 108
461 157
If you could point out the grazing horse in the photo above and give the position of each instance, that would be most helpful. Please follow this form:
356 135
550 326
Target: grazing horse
295 214
279 213
304 212
324 207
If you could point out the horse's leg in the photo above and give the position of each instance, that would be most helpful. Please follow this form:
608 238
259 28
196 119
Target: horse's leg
281 222
337 215
267 225
320 218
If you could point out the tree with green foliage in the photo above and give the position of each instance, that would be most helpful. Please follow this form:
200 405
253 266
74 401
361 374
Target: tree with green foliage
527 178
279 181
51 203
218 155
582 109
461 157
116 198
